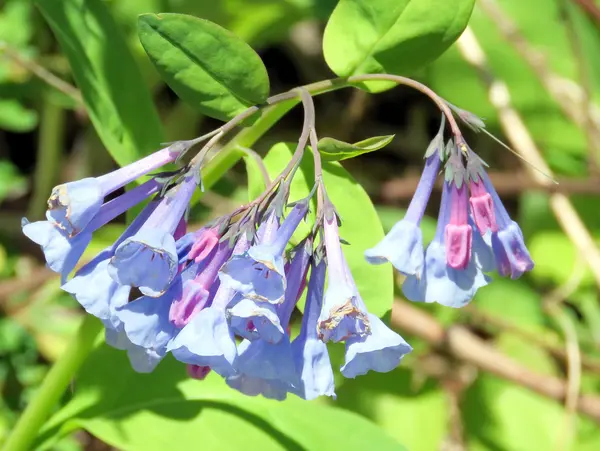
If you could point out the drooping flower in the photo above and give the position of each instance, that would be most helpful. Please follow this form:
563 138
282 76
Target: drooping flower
148 259
381 350
142 360
342 315
207 340
197 289
259 273
440 282
72 206
253 320
403 245
458 234
511 254
274 362
310 353
61 251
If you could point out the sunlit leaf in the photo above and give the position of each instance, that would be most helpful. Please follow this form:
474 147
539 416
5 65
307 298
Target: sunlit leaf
205 64
151 412
391 36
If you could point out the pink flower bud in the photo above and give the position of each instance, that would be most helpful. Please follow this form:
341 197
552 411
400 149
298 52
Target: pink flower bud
458 245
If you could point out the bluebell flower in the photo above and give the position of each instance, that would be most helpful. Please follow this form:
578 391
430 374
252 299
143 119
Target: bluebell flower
199 286
440 282
92 286
72 206
253 319
482 206
207 340
148 259
381 350
62 251
142 360
511 253
275 361
341 316
259 273
458 233
146 322
403 245
97 293
310 353
154 323
254 386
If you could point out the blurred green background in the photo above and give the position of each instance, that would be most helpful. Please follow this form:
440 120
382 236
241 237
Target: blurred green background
445 395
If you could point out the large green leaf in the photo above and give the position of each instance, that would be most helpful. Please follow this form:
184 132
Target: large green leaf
154 411
391 36
361 226
115 96
399 406
502 416
205 64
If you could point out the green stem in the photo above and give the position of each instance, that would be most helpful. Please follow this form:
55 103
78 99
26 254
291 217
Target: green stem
55 383
49 152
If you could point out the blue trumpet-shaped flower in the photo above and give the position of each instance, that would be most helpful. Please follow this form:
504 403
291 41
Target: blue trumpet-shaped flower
72 206
511 253
207 340
93 287
342 315
403 245
254 386
254 320
62 251
381 350
310 353
259 273
199 287
148 259
440 282
260 359
142 360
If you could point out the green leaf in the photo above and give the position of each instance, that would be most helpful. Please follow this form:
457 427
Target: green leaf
360 223
391 36
115 96
498 415
149 412
334 150
206 65
399 406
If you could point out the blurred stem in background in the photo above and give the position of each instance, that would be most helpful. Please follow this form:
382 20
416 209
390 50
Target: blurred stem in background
54 385
49 155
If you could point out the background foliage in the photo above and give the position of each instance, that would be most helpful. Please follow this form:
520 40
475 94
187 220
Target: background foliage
79 93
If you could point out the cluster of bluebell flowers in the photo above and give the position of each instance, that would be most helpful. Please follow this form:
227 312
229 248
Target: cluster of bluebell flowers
221 298
474 236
